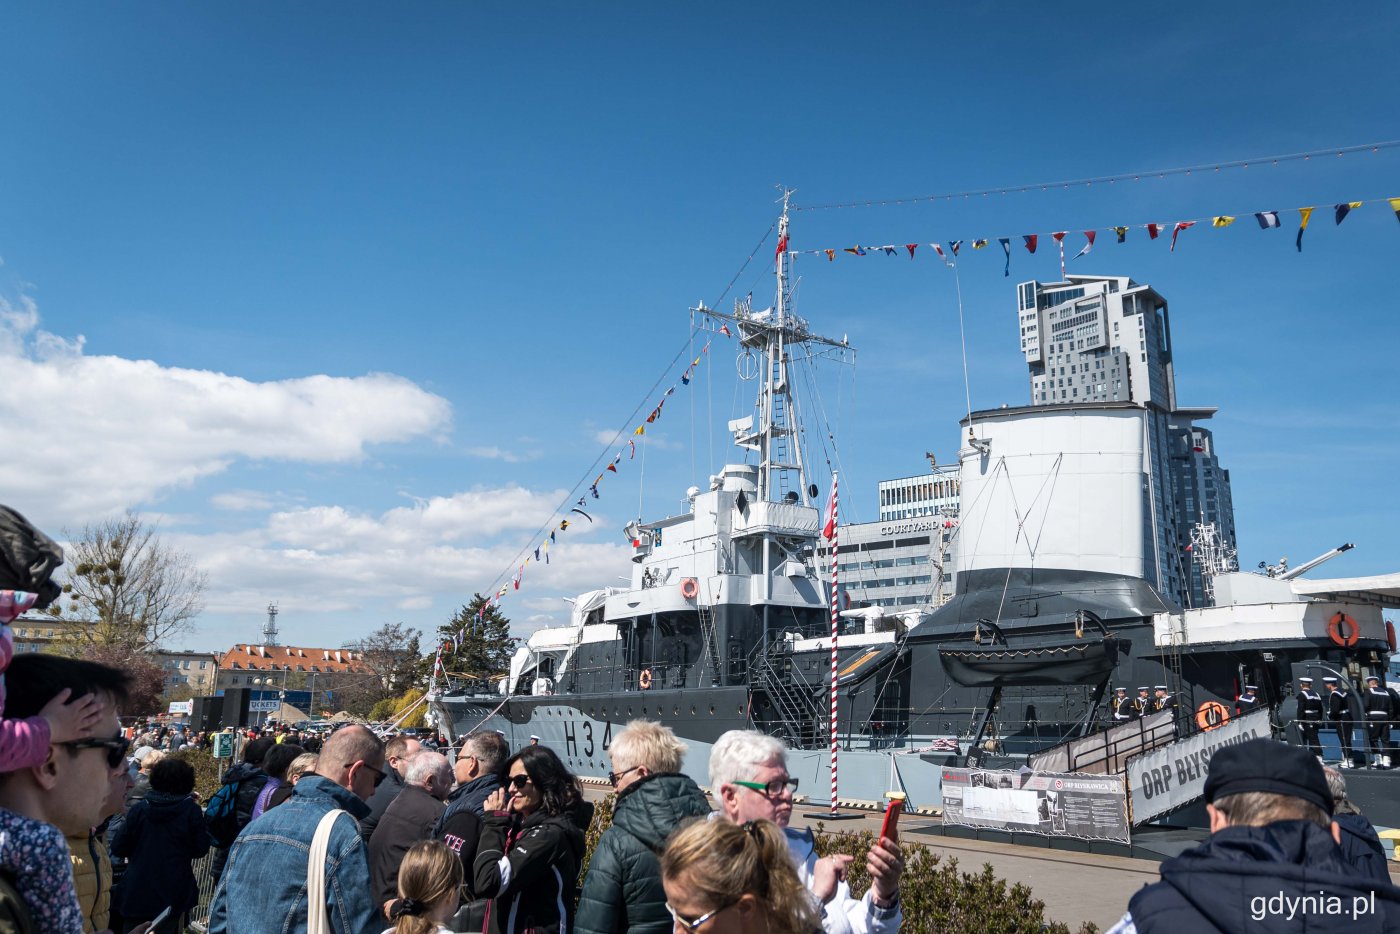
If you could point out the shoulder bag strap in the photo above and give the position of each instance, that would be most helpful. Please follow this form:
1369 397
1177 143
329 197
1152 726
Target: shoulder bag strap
317 917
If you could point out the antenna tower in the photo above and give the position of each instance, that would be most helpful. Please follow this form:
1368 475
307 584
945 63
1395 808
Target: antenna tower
270 627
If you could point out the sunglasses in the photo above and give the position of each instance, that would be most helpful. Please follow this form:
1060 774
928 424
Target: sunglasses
116 747
772 789
615 777
691 924
379 774
518 782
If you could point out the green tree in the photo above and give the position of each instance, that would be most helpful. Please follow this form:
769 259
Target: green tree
126 588
484 645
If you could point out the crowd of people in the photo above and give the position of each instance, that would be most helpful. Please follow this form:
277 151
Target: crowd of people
361 834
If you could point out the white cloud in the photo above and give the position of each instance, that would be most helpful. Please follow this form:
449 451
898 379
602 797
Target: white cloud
341 572
241 501
103 433
496 453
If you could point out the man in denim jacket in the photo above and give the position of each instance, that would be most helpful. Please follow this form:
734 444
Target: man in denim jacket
264 885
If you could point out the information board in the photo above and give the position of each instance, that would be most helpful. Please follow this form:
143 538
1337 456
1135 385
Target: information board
1087 807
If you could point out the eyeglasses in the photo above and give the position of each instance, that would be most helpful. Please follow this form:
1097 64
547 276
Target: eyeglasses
518 782
774 788
379 774
116 747
693 923
615 777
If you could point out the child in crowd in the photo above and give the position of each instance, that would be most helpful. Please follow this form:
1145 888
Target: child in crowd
25 744
430 882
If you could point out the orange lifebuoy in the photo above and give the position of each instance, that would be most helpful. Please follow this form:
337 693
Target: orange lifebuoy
645 679
1346 639
1390 635
689 588
1212 715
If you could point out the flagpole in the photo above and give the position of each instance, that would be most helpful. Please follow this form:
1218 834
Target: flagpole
835 576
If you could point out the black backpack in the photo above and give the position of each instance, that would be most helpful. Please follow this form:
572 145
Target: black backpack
221 816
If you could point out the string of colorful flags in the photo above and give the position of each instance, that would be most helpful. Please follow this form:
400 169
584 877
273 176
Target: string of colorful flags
1265 219
540 552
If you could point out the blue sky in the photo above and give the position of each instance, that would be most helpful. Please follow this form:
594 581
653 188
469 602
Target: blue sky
344 295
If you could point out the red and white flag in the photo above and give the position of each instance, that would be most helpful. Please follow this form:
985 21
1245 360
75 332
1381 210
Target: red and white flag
829 529
1089 235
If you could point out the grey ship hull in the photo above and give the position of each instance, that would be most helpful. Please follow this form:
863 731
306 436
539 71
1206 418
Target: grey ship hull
905 697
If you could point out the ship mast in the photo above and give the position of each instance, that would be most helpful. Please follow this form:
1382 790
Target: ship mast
766 339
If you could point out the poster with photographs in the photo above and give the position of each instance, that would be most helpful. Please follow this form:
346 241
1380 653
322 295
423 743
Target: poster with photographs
1089 807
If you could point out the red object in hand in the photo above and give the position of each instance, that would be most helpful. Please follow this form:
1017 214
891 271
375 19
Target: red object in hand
889 830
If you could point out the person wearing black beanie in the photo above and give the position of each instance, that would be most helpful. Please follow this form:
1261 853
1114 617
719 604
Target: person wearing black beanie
1272 861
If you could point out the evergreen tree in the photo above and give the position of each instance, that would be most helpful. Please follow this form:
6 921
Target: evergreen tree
484 645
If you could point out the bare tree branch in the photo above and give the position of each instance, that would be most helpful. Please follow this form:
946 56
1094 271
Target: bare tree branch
128 587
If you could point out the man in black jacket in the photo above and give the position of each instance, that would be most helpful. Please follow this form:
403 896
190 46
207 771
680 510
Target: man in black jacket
477 772
409 819
397 752
1339 712
1272 861
1311 714
1376 701
1361 845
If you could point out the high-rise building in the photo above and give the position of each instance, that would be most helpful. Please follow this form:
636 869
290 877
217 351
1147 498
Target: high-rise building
932 494
1095 339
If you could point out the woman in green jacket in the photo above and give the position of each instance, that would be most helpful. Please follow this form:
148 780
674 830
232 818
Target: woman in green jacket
622 891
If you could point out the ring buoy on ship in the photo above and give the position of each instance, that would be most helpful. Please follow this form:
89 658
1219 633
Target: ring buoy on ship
1390 635
689 588
1211 715
1343 630
645 679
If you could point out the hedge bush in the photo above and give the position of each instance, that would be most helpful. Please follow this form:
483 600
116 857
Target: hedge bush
936 895
206 771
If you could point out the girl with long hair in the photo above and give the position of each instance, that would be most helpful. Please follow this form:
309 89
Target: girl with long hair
726 878
531 844
430 883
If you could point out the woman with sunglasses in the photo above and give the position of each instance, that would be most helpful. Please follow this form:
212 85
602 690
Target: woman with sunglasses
622 891
531 845
724 878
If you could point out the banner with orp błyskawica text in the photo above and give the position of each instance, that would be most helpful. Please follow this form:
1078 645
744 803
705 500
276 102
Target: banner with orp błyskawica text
1089 807
1174 775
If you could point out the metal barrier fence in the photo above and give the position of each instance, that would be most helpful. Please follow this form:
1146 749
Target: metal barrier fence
198 919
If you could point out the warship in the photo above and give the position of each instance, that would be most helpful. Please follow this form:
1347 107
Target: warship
729 617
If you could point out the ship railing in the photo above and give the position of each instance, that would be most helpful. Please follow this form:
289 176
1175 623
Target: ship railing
1329 738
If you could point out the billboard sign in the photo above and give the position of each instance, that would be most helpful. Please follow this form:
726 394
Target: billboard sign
1087 807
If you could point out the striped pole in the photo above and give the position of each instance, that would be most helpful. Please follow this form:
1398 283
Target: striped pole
831 521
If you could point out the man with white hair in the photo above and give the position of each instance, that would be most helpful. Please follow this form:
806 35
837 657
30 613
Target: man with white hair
409 819
749 778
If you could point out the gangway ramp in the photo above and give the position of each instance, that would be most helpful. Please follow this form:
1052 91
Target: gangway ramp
1108 752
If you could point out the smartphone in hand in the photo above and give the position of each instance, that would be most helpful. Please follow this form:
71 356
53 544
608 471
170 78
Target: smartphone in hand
889 830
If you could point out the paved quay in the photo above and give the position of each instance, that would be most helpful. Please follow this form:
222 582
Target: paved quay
1075 887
